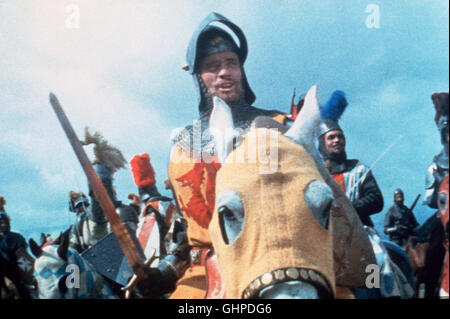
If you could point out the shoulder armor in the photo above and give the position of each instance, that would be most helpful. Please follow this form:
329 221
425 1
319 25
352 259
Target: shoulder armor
356 167
430 177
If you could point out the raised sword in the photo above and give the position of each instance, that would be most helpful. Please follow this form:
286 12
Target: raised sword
127 244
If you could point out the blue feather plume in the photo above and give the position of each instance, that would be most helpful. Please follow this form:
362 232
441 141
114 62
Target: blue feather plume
334 107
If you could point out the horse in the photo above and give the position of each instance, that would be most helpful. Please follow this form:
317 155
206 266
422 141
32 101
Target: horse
62 273
395 271
54 265
16 271
428 249
426 253
12 285
277 226
289 232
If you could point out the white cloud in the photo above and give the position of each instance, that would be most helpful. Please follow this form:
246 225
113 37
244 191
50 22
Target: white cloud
42 55
112 73
391 95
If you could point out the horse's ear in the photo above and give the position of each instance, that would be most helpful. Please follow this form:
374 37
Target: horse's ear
303 131
35 249
64 245
222 128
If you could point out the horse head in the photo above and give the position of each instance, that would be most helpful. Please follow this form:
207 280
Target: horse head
282 227
62 273
271 224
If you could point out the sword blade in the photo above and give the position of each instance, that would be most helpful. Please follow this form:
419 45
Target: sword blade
127 244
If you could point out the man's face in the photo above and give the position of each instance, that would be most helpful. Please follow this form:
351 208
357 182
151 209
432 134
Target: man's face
334 142
4 225
398 198
222 75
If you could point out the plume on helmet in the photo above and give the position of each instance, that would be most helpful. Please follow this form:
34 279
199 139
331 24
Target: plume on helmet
440 101
335 106
142 169
2 204
104 153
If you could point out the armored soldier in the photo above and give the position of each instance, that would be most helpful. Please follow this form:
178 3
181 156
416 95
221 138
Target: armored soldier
355 178
9 241
399 221
216 64
439 168
158 209
91 224
15 262
432 230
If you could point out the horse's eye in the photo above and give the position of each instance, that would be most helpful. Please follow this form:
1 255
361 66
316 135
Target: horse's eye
226 212
319 198
231 215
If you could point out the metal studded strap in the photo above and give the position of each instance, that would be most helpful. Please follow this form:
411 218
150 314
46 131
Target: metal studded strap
287 274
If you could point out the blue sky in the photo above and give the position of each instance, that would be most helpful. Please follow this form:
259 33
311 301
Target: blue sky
120 73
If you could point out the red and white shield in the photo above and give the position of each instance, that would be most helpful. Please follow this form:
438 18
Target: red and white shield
148 231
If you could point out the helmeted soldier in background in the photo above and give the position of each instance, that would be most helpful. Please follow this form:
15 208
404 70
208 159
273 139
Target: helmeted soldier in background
91 224
432 231
361 188
78 203
15 263
399 222
163 210
439 168
216 64
158 229
355 178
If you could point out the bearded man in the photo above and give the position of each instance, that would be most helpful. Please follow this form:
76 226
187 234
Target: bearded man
216 64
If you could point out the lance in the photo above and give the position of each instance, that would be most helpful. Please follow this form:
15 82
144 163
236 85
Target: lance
127 244
375 162
414 203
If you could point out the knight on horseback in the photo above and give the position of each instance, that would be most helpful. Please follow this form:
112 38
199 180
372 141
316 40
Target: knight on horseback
216 64
91 224
361 188
432 234
354 177
159 222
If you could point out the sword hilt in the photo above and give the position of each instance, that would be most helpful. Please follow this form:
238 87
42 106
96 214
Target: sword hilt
137 277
